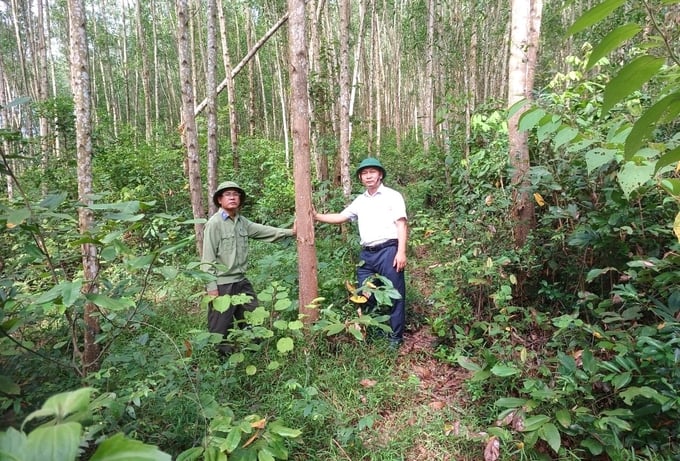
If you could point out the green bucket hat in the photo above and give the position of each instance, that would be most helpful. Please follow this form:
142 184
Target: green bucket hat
371 162
228 185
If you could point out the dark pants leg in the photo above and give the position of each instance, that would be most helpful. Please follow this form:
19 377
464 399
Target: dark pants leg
222 322
380 262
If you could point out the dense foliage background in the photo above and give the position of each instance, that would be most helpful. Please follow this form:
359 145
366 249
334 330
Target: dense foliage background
565 348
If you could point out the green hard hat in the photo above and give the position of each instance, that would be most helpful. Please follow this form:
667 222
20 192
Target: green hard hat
228 185
371 162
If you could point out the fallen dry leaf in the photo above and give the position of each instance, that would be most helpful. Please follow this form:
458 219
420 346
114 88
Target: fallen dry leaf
437 405
368 382
259 424
452 429
492 451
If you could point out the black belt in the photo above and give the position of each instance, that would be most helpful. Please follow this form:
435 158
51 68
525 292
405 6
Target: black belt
381 246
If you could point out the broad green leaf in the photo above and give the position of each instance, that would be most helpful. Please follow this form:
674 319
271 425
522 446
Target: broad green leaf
334 328
510 402
551 434
120 448
273 365
54 443
672 186
221 303
563 136
284 345
667 108
63 404
52 201
611 41
647 392
12 445
236 358
356 333
50 295
232 441
70 292
669 158
594 446
277 428
504 370
563 417
620 381
17 217
468 364
9 387
631 176
282 304
251 370
529 119
192 454
265 455
630 78
295 325
535 422
598 157
141 261
594 15
112 304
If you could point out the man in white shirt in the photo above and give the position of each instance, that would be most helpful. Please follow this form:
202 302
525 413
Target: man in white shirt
383 230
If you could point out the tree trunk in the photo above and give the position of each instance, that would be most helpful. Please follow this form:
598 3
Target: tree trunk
343 105
211 92
189 134
525 30
231 90
80 85
299 107
428 94
146 83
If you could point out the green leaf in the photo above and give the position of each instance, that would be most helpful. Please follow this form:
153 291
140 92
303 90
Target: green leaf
510 402
264 455
295 325
233 439
54 443
629 79
277 428
598 157
282 304
565 135
594 15
632 176
551 434
594 446
666 159
221 303
284 345
50 295
647 392
192 454
251 370
667 108
563 417
13 445
529 119
334 328
70 292
535 422
52 201
112 304
9 387
63 404
17 217
140 261
120 448
672 186
611 41
468 364
504 370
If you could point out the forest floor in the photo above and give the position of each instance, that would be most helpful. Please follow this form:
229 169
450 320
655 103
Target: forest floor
441 385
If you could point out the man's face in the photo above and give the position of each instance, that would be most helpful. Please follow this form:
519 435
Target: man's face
230 200
370 176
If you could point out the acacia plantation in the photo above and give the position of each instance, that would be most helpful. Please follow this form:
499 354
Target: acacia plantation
536 144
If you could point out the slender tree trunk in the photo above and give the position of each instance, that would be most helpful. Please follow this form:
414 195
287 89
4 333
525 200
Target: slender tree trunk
307 264
211 91
251 76
231 90
43 87
343 104
189 133
146 73
80 85
428 94
526 16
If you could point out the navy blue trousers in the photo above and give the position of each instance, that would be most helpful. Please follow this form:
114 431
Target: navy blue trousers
380 262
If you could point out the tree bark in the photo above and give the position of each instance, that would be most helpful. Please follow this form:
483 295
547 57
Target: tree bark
211 91
343 105
525 31
188 129
299 106
80 85
231 90
146 83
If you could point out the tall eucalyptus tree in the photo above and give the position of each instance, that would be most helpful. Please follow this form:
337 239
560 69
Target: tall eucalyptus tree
524 38
80 85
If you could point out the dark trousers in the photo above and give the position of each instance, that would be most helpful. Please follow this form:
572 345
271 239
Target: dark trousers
380 262
222 322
